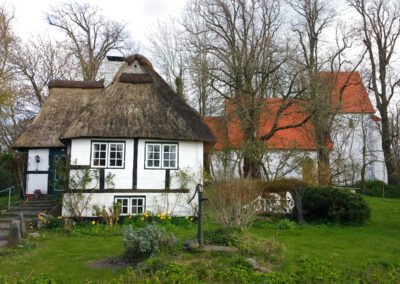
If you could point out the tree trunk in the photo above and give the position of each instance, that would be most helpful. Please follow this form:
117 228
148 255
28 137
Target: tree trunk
390 161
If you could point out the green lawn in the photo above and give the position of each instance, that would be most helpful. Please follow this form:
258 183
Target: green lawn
347 247
15 198
65 258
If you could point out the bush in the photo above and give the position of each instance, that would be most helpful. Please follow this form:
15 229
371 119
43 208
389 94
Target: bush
378 188
49 221
328 204
233 203
144 242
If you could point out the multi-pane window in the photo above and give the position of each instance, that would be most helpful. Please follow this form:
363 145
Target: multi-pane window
161 156
99 154
108 154
169 156
153 155
124 205
137 205
131 205
116 154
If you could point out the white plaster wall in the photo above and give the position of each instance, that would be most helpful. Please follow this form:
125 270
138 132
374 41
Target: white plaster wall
347 155
36 181
80 152
190 157
175 204
80 156
279 164
43 165
377 169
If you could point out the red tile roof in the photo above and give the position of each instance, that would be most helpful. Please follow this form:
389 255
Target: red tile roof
354 99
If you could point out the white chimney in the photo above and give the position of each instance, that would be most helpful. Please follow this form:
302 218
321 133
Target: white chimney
111 67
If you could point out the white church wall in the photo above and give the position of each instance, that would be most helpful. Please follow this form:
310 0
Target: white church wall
349 135
277 164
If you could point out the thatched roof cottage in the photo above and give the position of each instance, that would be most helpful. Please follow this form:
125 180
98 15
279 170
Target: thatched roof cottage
132 137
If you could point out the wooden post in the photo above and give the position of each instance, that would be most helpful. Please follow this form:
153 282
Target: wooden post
200 229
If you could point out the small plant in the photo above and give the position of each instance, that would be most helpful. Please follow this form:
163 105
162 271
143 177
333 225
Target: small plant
50 221
285 224
144 242
110 215
109 180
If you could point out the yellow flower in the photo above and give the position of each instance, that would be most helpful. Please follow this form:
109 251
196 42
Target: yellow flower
169 217
93 222
142 219
59 217
187 217
158 215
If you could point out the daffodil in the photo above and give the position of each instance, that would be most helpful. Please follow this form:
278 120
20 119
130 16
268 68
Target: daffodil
142 219
93 222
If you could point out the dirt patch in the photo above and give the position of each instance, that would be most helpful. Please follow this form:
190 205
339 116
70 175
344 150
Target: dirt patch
114 263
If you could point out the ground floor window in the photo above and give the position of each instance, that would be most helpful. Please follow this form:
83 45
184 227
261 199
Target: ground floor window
131 205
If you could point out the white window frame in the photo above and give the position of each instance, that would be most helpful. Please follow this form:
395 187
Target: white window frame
130 204
147 152
108 149
93 152
161 165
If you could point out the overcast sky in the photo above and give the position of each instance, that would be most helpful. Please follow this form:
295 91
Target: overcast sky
139 15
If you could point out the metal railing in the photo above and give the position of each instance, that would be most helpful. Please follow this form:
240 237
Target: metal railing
9 189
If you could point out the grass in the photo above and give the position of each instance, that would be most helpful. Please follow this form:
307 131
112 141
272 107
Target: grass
346 247
15 198
65 258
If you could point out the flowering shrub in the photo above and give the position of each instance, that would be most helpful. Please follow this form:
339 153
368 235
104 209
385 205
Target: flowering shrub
141 243
159 218
50 221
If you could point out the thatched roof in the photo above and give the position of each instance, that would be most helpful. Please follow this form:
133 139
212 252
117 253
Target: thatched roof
76 84
65 102
140 104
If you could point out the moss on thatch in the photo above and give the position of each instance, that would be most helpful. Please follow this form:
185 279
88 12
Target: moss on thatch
62 106
141 110
76 84
135 78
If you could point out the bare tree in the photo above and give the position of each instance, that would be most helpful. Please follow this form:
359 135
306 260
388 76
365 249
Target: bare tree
167 49
7 40
38 61
380 31
250 63
394 119
314 19
90 35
